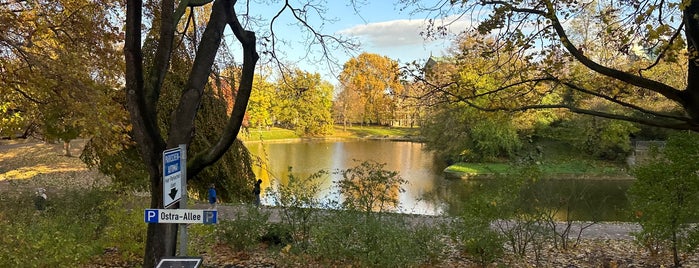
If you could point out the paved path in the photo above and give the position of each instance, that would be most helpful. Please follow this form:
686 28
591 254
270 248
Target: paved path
600 230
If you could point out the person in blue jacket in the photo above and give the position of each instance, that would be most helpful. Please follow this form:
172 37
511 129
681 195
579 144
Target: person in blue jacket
212 196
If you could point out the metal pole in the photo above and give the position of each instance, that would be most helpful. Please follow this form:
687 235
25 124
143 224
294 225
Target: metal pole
183 199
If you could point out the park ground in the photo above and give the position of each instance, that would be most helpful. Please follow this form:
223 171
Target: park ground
28 164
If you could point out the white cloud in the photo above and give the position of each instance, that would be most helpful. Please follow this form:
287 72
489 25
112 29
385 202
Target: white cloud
399 33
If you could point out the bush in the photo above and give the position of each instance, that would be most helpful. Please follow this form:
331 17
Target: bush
477 239
76 227
349 237
299 204
368 187
665 196
245 231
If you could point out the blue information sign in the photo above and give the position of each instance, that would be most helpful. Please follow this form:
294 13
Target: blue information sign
172 176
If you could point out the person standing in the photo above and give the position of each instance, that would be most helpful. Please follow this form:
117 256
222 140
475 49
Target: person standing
256 191
212 196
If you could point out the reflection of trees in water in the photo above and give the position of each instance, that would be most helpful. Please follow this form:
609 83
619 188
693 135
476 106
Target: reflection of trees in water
369 187
566 199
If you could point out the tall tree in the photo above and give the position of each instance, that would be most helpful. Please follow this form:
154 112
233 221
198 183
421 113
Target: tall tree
144 84
143 93
375 80
261 102
344 107
58 60
663 33
303 101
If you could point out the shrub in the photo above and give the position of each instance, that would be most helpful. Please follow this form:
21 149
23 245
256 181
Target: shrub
665 195
368 187
350 237
76 227
299 203
475 238
245 231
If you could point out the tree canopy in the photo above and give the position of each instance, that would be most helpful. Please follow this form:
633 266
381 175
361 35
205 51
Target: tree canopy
59 60
543 47
303 102
370 85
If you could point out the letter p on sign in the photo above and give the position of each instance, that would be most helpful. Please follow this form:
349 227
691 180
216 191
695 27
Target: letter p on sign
210 216
151 216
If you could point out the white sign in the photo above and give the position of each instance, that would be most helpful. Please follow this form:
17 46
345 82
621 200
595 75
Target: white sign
180 262
172 176
180 216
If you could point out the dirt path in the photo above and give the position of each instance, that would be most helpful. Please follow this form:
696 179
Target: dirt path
600 230
29 164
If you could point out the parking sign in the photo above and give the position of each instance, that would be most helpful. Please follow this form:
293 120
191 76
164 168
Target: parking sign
180 216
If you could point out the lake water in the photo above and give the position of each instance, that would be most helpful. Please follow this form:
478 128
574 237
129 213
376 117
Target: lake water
427 192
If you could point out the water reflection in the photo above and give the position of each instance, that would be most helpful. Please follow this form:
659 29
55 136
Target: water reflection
427 192
413 163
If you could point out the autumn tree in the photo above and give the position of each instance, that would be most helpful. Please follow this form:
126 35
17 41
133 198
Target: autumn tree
144 85
261 102
654 34
59 62
303 102
374 80
344 108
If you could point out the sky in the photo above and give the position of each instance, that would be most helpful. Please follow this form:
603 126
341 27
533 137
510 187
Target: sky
380 27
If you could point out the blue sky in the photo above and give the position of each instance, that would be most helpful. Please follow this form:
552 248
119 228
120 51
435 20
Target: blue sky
380 27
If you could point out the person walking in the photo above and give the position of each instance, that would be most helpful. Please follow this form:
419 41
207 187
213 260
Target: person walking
256 191
212 197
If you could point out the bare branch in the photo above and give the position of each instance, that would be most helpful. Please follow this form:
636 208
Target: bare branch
666 90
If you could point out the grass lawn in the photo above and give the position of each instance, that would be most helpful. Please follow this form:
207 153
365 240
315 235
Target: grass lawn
338 132
271 134
378 131
581 167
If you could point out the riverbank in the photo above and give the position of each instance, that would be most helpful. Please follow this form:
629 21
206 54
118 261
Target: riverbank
28 164
275 135
586 229
553 164
559 162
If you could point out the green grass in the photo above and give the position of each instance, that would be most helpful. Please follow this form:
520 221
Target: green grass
271 134
339 132
378 131
478 168
580 167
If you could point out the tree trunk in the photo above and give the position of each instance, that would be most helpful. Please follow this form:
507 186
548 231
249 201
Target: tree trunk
166 235
143 95
691 94
66 148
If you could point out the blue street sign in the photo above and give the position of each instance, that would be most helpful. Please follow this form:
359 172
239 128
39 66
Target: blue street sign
180 216
172 176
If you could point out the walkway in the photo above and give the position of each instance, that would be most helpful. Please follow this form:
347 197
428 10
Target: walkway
600 230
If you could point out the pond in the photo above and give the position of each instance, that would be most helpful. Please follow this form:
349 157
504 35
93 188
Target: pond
427 191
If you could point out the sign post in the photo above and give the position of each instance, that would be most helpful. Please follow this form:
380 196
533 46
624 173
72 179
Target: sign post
183 200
